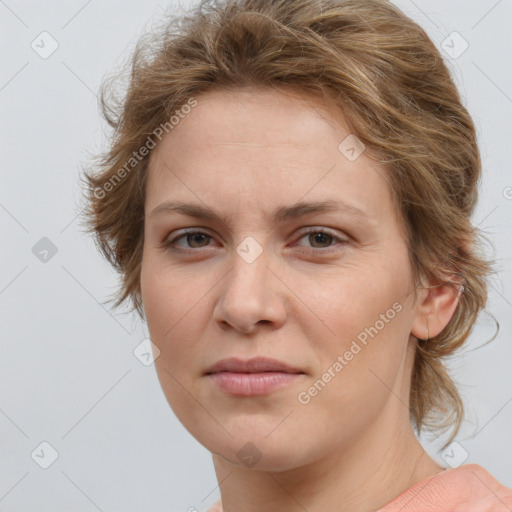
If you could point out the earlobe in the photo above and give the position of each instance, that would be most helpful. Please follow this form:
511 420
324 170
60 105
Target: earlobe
436 309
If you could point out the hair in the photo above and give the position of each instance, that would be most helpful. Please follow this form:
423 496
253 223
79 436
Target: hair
395 93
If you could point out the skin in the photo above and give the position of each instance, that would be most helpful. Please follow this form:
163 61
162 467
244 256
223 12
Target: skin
245 154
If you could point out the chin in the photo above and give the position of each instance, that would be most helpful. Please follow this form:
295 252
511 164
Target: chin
253 447
260 455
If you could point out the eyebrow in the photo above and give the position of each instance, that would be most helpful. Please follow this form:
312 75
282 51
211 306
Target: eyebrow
281 214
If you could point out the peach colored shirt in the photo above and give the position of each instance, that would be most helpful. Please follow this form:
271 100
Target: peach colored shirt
468 488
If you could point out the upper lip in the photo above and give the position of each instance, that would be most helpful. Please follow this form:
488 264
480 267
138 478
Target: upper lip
255 365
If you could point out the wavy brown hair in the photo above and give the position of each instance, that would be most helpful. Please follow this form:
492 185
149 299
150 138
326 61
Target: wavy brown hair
396 94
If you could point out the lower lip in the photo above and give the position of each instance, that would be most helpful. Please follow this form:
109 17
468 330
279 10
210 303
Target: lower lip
248 384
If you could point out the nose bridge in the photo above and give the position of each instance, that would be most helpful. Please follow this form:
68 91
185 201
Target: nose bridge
249 273
248 294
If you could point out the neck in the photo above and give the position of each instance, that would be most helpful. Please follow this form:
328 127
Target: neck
362 475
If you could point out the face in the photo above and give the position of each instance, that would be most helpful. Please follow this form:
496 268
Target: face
327 292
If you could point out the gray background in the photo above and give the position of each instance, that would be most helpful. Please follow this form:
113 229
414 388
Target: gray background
68 373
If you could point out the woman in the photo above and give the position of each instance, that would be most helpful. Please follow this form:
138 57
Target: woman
288 197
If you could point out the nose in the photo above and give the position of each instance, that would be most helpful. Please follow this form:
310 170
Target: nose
251 294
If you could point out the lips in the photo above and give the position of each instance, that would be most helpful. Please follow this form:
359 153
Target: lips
254 365
254 377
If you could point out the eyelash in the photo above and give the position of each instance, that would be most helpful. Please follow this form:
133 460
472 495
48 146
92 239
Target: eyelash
169 245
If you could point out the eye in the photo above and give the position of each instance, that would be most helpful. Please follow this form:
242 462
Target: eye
321 239
195 238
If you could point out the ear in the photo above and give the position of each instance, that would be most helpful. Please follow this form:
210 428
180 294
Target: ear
435 307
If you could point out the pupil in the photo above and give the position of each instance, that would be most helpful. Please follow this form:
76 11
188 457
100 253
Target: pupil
320 237
195 237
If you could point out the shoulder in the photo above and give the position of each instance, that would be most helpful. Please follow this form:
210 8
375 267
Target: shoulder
468 488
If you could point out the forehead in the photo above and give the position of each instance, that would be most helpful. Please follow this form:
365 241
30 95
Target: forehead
264 148
253 116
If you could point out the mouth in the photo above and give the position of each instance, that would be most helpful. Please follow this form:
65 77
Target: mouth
258 376
255 365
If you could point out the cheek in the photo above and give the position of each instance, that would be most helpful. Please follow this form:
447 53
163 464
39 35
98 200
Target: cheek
365 320
170 313
354 302
175 306
155 299
165 304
